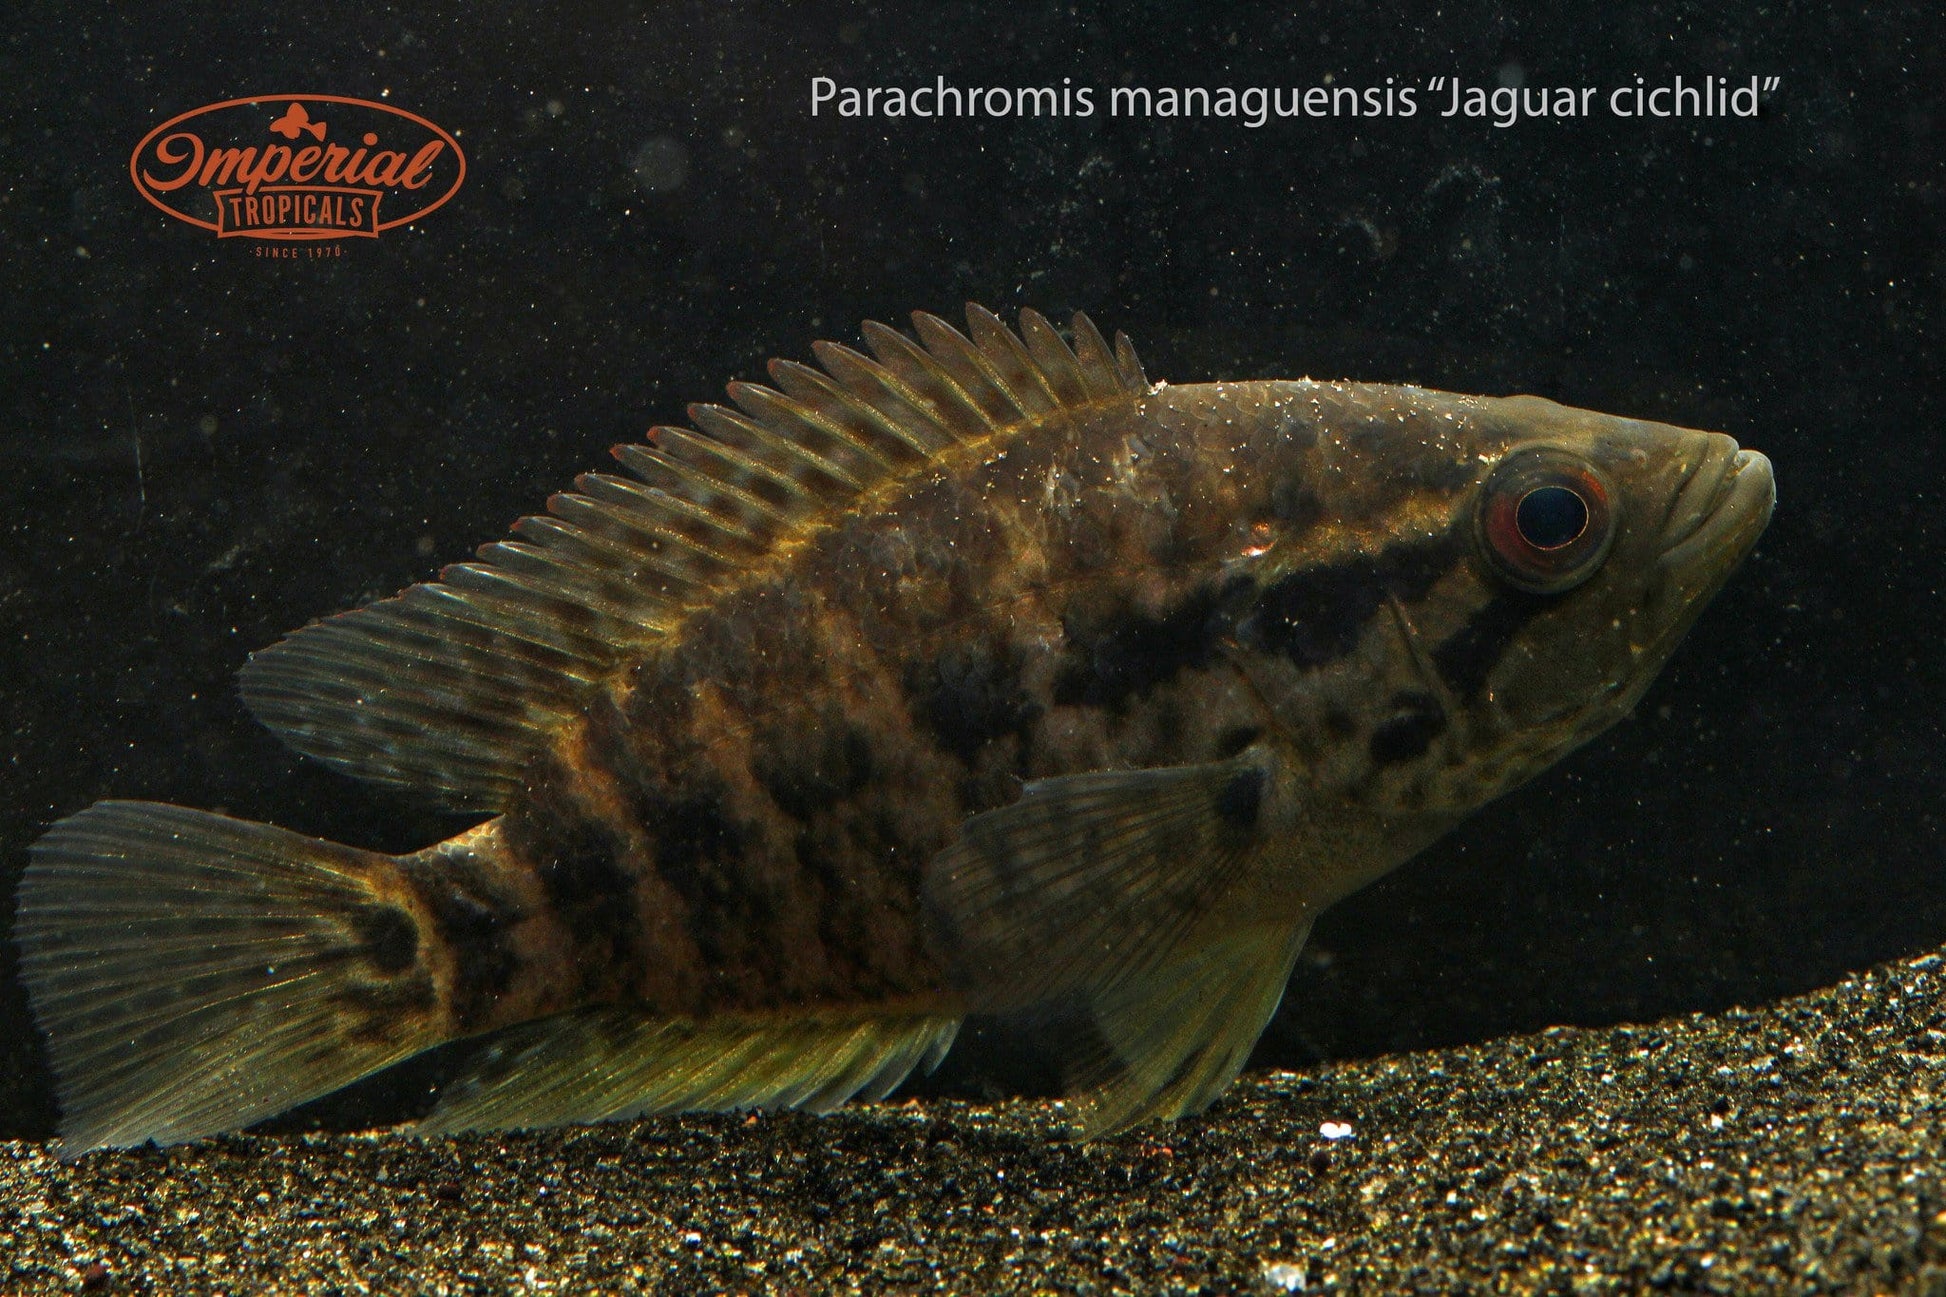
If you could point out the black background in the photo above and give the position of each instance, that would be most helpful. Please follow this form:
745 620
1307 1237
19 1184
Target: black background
314 434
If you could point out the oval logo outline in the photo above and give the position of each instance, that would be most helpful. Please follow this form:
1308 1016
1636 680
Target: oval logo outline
459 157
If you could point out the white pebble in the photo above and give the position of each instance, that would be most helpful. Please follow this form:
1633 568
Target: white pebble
1284 1275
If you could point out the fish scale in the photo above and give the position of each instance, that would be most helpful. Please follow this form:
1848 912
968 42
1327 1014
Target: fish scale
978 674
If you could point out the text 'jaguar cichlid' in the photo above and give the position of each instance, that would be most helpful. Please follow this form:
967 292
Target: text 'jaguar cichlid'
972 675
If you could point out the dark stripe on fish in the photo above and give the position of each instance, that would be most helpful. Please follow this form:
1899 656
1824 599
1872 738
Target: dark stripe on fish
475 922
1110 661
592 893
1467 658
1317 615
970 695
697 849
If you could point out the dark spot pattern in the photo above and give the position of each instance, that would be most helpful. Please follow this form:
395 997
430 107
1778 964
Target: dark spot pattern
1241 799
1236 739
1410 730
1110 662
475 923
385 1012
592 893
1316 615
698 848
970 695
806 774
690 830
1296 506
1467 657
1443 475
389 937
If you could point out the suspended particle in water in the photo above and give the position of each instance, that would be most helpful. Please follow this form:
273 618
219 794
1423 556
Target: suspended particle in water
660 165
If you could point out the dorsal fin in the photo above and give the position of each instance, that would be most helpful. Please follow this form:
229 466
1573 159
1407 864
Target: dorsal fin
446 686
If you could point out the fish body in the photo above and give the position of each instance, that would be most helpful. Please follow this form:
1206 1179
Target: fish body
973 676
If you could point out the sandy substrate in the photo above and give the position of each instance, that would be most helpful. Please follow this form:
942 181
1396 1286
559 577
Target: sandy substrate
1796 1147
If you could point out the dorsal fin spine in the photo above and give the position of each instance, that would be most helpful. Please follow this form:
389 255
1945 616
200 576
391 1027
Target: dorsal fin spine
450 685
922 380
1053 359
817 398
752 478
589 547
754 507
486 614
1011 362
919 432
753 439
801 428
958 357
1095 360
700 530
1128 366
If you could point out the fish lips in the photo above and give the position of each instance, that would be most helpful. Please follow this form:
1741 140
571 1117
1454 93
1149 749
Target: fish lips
1719 512
1718 515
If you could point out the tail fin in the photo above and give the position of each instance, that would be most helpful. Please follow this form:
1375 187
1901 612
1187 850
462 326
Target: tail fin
195 973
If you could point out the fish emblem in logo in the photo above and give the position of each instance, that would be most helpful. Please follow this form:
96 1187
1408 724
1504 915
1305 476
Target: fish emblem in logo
298 167
295 122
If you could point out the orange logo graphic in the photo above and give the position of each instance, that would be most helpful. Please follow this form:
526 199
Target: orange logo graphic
298 167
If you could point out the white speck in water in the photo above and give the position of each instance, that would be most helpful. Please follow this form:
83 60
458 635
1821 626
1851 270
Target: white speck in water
1335 1130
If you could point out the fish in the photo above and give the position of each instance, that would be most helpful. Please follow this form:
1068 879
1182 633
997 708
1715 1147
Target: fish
970 673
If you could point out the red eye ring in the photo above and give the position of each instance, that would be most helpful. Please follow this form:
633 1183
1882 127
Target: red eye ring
1546 519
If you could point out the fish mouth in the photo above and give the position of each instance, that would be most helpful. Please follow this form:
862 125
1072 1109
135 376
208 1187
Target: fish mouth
1718 514
1717 517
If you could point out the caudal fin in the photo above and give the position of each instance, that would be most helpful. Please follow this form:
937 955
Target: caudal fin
195 973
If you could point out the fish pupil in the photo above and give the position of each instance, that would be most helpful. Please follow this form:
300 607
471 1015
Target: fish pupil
1551 516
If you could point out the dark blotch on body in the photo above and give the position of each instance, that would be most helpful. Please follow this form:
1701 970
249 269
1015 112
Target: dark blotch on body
1115 659
383 1013
475 923
1316 615
1241 799
1408 732
689 830
592 893
1296 506
1236 739
698 848
389 936
806 774
1467 658
970 695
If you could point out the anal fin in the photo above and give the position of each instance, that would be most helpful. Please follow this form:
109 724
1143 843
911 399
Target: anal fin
614 1062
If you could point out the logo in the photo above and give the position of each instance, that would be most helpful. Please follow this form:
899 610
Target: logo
298 167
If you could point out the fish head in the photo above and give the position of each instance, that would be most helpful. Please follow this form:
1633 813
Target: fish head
1468 588
1589 546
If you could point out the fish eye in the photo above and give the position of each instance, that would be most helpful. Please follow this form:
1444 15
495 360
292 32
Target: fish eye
1545 520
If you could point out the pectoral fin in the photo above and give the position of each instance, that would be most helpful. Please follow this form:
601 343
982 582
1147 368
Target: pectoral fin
1158 898
1092 879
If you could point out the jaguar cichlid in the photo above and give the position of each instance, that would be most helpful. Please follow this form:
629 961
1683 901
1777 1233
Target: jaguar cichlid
973 674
